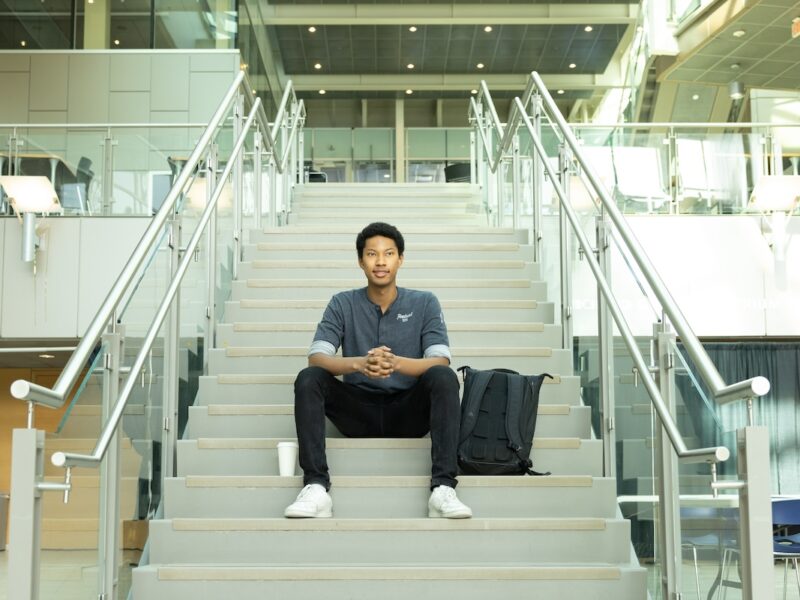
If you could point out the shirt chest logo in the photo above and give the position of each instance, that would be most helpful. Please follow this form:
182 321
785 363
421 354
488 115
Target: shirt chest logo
404 317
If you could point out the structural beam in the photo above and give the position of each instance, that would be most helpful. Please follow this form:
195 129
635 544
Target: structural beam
448 14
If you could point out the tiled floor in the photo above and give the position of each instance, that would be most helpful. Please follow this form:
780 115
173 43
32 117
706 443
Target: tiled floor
72 575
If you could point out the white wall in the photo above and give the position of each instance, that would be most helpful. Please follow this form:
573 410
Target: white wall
78 260
719 269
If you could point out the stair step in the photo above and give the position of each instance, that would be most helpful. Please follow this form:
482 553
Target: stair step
446 290
413 234
251 420
278 389
390 582
395 541
524 311
293 359
398 191
459 333
486 270
392 497
368 456
347 251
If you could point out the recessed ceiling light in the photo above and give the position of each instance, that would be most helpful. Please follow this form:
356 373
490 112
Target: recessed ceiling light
735 67
739 33
386 176
322 92
560 91
572 65
479 65
412 29
46 356
409 92
410 65
23 43
116 43
488 28
473 92
312 29
695 96
588 28
317 66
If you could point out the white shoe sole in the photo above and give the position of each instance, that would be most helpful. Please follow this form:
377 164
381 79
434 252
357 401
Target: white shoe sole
456 514
299 514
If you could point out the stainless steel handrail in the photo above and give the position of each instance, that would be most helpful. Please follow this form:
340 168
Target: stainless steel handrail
55 397
723 393
69 459
756 386
711 454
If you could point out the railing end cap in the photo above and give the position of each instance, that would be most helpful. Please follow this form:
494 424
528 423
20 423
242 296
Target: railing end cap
722 454
20 389
59 459
760 386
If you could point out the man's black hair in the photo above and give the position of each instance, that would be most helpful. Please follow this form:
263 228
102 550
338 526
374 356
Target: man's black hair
382 229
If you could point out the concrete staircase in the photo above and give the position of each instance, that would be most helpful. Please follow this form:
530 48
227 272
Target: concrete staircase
223 534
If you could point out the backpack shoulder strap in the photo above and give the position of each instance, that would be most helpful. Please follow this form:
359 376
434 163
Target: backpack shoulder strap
516 395
474 387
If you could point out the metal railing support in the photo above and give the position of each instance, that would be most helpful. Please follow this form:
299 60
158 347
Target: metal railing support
108 173
666 472
108 521
238 169
538 180
473 165
565 254
169 424
273 192
211 250
606 347
258 204
516 182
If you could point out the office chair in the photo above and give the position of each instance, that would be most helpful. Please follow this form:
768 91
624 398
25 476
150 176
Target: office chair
786 538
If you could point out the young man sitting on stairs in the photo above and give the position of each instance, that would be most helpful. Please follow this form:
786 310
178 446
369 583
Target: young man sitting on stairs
397 380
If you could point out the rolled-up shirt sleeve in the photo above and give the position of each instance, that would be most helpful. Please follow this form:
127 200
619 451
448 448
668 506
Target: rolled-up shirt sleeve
330 330
434 331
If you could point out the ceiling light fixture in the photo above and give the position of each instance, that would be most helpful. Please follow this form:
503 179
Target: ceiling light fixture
47 356
322 92
410 65
488 28
739 33
412 29
479 65
116 42
317 66
736 89
588 28
23 43
572 65
473 92
695 96
312 29
409 92
560 92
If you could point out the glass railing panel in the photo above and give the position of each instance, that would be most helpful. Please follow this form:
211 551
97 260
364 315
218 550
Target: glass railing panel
641 169
37 25
202 26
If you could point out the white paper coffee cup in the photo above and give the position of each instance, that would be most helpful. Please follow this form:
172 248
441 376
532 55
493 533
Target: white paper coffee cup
287 458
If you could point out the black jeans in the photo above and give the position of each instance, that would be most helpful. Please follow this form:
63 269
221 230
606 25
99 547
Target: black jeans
431 405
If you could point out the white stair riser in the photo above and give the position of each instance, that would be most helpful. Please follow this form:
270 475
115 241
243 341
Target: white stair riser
348 235
524 271
398 547
201 424
213 392
306 252
583 460
394 502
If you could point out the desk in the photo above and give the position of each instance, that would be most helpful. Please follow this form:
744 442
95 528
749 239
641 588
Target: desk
31 163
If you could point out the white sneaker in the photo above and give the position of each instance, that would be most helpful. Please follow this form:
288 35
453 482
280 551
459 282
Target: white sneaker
312 501
444 503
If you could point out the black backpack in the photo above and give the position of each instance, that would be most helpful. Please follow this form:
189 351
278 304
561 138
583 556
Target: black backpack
498 419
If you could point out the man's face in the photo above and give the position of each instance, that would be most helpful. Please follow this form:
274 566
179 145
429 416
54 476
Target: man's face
380 261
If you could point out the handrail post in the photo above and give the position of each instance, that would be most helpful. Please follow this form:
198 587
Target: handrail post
538 179
516 182
565 256
473 171
755 512
673 173
273 191
606 348
238 168
211 265
285 139
169 416
108 526
257 166
25 522
666 471
108 173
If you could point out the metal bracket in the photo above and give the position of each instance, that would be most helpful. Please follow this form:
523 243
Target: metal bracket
610 425
66 487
